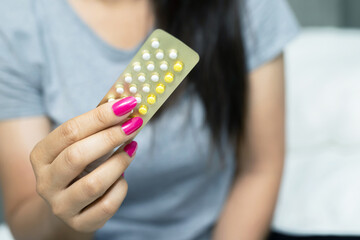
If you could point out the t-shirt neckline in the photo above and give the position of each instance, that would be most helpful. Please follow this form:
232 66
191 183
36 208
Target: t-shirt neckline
112 51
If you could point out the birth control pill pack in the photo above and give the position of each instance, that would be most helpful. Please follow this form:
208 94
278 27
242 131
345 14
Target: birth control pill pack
153 74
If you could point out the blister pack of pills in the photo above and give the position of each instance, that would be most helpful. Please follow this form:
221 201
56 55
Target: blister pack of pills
154 73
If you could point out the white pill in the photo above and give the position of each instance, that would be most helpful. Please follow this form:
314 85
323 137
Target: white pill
159 55
120 90
164 66
155 44
150 67
173 54
111 99
146 56
146 89
138 99
141 78
128 79
155 78
137 67
133 89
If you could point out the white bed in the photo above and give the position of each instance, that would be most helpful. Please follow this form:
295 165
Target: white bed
5 233
320 193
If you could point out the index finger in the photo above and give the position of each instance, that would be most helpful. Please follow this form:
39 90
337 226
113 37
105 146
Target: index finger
82 126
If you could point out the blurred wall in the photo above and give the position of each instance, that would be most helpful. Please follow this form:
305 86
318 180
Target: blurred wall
336 13
352 16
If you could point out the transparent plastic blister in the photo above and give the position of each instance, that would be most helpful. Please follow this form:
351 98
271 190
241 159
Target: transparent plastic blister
156 70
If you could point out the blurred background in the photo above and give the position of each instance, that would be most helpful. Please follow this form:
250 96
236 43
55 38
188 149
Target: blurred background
323 13
330 40
320 193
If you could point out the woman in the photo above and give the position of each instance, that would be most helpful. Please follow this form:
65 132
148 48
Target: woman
58 59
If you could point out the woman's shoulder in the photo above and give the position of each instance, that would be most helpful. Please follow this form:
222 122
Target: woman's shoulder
20 33
21 57
267 27
17 14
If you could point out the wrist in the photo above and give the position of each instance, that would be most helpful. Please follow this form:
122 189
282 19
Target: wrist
35 220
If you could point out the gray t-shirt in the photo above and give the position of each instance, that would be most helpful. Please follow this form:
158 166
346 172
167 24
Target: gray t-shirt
53 64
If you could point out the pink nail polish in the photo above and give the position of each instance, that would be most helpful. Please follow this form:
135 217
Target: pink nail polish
132 125
123 174
124 106
130 149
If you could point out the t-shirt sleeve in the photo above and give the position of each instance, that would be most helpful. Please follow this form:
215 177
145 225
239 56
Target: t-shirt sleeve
268 25
21 61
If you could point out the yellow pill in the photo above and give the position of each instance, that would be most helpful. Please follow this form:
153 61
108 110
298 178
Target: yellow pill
178 67
151 99
169 77
160 88
143 109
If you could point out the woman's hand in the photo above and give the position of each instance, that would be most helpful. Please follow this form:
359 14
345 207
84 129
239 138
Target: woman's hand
86 204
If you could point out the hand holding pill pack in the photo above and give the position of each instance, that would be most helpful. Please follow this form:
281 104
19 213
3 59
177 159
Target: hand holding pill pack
153 74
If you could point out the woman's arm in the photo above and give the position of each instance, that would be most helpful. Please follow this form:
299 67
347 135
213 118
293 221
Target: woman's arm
27 214
249 208
85 204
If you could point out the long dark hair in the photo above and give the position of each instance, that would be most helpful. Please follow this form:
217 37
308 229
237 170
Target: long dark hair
213 29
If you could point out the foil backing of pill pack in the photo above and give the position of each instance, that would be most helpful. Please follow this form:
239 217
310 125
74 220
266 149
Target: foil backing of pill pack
153 74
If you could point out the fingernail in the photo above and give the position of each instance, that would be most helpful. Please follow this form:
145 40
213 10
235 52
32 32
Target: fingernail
132 125
124 106
130 148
